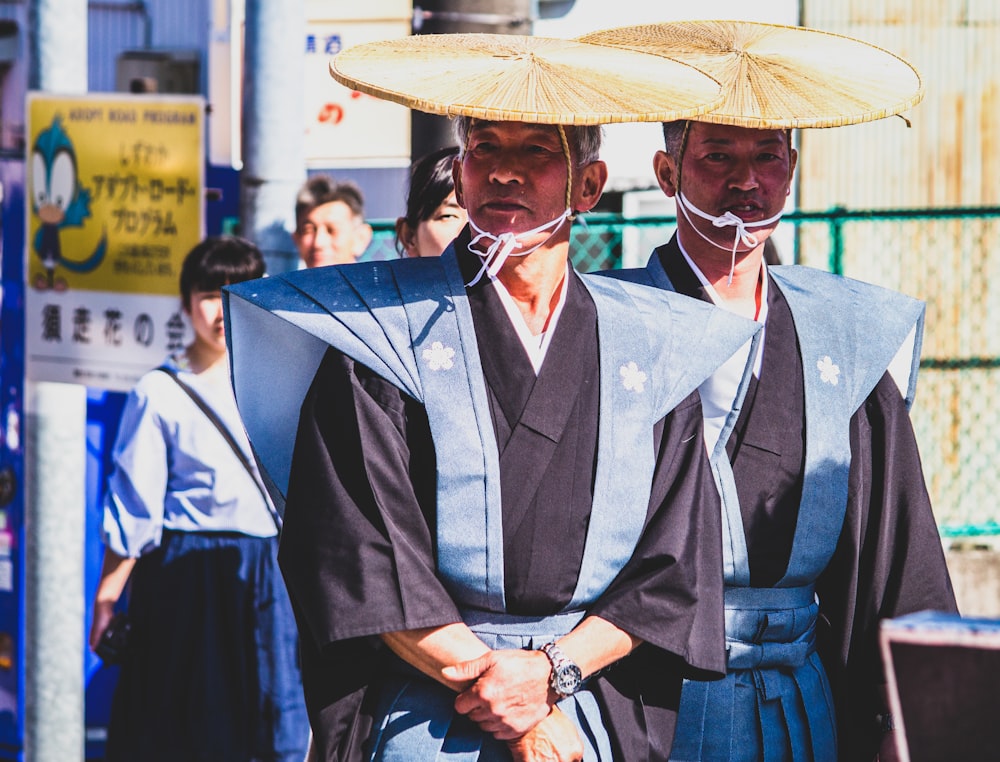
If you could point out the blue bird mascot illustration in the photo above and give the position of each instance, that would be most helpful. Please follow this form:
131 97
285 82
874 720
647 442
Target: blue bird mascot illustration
59 201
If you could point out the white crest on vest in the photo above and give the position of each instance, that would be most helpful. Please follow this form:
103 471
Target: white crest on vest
439 357
829 372
633 379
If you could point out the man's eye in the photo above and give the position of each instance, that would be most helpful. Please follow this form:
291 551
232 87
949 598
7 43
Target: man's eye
540 149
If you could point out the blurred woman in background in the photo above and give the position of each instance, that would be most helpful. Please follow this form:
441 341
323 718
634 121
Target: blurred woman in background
433 216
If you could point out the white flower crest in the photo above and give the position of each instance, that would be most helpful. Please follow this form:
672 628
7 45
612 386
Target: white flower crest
829 373
633 379
438 356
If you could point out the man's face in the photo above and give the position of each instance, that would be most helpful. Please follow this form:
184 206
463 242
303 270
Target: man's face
331 235
513 177
731 169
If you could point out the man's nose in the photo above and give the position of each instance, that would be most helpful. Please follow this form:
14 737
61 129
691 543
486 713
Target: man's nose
507 170
743 177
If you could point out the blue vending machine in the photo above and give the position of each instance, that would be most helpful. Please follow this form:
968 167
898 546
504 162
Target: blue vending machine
103 413
12 641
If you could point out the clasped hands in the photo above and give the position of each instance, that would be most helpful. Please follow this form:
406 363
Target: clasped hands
510 698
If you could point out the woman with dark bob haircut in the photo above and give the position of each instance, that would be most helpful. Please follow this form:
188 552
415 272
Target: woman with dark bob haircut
433 215
210 672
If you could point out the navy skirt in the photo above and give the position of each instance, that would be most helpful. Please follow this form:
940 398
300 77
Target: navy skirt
213 673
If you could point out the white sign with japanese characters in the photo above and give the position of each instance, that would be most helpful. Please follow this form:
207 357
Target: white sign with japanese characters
344 127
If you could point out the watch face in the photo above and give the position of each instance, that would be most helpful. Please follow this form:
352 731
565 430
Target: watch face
567 679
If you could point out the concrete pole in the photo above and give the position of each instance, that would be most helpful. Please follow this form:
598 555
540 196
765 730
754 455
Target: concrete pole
273 127
430 132
55 510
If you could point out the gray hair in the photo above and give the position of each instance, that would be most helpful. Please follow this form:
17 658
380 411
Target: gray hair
584 140
674 134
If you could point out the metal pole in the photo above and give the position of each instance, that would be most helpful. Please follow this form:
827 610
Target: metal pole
273 127
55 511
430 132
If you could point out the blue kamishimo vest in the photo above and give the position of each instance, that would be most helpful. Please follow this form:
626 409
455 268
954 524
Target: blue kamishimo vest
776 690
409 321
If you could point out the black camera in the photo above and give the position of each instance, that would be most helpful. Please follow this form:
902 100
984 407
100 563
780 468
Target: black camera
115 639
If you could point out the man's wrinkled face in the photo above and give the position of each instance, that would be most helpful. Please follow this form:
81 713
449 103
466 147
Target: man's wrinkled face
512 177
330 234
731 169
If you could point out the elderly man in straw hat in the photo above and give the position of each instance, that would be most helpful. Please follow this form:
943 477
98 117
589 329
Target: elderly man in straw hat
828 526
502 535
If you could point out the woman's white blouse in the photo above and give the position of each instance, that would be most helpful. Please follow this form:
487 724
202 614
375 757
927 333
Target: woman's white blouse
174 470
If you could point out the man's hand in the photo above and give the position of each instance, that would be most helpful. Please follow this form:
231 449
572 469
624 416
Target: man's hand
510 693
554 739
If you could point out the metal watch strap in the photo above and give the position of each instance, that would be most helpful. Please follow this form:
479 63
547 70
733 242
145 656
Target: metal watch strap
560 665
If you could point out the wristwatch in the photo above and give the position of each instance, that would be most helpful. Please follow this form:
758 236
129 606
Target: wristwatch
566 677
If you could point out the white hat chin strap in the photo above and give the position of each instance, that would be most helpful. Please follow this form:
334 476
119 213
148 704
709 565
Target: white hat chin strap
743 235
502 246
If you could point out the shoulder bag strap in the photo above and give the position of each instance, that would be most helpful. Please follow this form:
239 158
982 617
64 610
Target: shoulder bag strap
211 415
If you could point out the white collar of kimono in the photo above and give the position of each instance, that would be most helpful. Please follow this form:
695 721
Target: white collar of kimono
718 391
718 301
503 245
723 221
535 346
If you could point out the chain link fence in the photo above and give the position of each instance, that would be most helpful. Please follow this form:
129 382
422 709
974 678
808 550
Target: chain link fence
942 256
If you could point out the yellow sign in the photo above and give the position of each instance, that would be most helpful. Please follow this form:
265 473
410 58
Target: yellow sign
115 188
115 201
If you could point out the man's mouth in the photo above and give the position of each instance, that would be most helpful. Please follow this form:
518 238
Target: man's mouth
503 205
744 209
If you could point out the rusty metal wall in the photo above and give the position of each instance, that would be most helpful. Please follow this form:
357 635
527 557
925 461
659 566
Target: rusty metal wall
951 154
949 157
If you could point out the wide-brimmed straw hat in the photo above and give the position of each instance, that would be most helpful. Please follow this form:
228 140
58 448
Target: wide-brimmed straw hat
778 77
519 78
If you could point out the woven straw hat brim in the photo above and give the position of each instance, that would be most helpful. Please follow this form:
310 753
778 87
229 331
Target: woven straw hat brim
521 78
778 77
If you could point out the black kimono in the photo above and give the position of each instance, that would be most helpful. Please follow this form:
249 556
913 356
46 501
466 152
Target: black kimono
358 544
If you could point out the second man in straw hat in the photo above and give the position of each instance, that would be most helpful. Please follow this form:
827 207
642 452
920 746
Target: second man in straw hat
829 523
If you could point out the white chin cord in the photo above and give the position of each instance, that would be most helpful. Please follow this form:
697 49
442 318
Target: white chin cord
724 221
503 245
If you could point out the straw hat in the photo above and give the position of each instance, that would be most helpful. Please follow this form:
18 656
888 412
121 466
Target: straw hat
521 78
778 77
